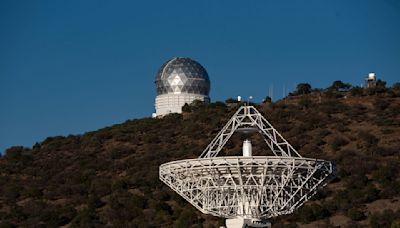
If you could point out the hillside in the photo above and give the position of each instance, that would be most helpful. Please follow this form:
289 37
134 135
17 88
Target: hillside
109 177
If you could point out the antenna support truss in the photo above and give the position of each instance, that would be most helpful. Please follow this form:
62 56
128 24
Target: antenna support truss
245 117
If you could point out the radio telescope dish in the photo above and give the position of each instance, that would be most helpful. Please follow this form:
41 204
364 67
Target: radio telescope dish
247 190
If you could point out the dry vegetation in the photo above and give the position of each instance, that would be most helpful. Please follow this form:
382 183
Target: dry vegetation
109 177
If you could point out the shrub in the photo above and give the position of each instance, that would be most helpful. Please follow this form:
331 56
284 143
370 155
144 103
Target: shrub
6 224
355 214
305 103
338 142
368 139
100 186
332 106
121 150
186 108
267 99
381 104
186 218
11 191
231 100
14 153
85 218
356 91
139 201
384 219
395 224
312 212
390 190
340 86
380 87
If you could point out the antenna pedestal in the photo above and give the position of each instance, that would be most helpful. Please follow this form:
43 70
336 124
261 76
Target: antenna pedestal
241 222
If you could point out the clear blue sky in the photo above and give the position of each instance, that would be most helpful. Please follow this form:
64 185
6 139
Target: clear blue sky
67 67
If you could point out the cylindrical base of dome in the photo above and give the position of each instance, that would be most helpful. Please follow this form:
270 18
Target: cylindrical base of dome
172 103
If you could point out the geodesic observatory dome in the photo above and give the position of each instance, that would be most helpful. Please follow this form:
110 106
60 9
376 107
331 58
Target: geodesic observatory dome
247 190
179 81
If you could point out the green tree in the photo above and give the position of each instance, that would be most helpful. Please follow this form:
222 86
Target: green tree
186 108
396 89
303 88
267 99
340 86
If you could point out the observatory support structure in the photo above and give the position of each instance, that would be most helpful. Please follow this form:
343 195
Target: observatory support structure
173 103
241 222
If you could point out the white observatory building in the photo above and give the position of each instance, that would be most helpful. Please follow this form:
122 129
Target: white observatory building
370 80
179 81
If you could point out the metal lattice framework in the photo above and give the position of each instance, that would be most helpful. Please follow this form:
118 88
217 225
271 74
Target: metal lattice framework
256 187
245 117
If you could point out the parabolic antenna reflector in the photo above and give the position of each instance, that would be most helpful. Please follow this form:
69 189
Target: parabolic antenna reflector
247 190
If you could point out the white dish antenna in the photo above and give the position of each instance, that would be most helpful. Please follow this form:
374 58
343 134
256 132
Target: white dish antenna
247 190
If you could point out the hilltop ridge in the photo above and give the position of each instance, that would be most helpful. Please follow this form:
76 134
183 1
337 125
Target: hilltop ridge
109 177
